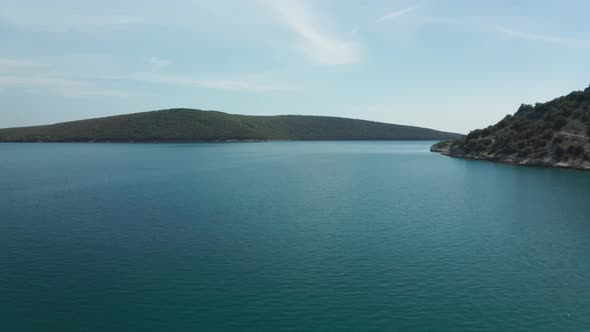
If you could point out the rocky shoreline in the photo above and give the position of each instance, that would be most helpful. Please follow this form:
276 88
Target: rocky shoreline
445 149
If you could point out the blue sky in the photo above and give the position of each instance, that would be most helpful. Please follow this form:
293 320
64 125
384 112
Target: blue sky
450 64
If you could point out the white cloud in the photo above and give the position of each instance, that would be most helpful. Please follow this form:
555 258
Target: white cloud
246 85
59 18
61 86
114 20
445 20
8 65
39 77
158 62
35 76
315 43
538 37
24 75
509 32
66 86
396 14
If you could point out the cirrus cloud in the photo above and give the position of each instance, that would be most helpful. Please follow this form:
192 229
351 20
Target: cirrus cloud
314 42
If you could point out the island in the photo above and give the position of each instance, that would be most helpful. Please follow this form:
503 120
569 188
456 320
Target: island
551 134
192 125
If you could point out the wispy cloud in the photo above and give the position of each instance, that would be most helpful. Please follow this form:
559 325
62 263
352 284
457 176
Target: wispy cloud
158 62
55 85
115 20
508 32
390 16
40 77
50 18
66 86
35 76
538 37
238 84
396 14
315 42
445 20
9 64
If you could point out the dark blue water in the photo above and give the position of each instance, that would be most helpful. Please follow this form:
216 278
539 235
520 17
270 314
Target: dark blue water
308 236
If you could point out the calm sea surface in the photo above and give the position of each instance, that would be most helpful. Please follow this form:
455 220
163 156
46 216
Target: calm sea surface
293 236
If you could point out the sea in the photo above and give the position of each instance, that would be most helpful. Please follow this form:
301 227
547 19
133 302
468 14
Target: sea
288 236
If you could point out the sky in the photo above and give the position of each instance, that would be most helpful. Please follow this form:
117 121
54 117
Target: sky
452 65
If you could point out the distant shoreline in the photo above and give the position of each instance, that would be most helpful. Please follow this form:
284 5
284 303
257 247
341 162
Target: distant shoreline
196 126
213 141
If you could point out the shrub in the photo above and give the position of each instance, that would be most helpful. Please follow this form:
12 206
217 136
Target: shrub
525 109
559 122
469 147
559 151
539 143
539 155
575 149
523 153
518 125
508 149
557 140
547 134
474 134
504 122
541 108
479 148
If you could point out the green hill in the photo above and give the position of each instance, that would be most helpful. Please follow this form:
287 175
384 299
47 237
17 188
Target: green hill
198 125
552 134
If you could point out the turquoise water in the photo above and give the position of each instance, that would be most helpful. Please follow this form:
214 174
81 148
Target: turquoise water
294 236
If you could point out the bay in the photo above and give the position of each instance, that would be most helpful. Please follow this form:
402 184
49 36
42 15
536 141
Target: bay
290 236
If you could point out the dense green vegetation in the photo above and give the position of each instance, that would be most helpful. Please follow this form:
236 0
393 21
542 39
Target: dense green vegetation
556 131
197 125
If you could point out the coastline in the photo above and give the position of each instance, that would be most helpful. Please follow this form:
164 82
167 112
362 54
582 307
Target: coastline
164 141
529 162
